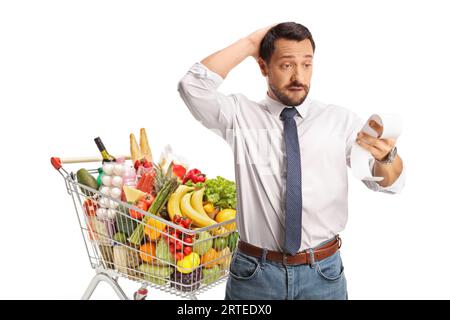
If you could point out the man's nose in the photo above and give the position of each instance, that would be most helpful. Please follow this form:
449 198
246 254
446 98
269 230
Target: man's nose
297 75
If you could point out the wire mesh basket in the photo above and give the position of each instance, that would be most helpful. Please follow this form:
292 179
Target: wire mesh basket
153 251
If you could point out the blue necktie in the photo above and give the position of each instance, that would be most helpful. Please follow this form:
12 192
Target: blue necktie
293 204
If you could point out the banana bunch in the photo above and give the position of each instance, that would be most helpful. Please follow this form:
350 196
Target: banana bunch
173 204
188 202
191 206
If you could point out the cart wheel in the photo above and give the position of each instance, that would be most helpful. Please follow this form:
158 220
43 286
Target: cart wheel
141 294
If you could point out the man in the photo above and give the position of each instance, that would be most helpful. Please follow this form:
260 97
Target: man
291 155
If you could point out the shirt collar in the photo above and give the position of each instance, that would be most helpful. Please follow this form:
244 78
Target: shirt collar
275 107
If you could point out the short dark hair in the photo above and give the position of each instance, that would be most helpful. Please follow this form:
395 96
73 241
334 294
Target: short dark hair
285 30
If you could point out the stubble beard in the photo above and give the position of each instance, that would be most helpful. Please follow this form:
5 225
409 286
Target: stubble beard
284 99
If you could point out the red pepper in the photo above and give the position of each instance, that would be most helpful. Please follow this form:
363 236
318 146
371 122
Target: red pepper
198 178
190 174
186 178
194 175
195 172
179 170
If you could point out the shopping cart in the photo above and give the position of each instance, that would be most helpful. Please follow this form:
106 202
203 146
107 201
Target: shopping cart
151 262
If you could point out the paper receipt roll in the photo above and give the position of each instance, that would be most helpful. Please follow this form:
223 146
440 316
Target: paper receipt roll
362 159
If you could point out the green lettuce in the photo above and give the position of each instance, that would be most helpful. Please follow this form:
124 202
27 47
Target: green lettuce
221 192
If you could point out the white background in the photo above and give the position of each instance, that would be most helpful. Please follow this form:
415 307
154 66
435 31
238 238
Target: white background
74 70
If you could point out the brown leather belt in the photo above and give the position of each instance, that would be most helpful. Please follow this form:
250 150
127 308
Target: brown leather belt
304 257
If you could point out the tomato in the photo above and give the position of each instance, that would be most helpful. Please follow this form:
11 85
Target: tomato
187 250
178 245
90 207
177 219
186 223
136 214
148 199
179 256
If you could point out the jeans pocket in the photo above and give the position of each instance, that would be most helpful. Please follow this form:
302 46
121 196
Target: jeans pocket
244 267
331 268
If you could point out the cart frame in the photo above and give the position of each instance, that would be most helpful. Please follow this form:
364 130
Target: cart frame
106 268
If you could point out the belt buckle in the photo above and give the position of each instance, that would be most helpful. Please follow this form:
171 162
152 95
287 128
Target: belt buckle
285 263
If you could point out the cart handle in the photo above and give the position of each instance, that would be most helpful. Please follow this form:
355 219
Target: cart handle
58 162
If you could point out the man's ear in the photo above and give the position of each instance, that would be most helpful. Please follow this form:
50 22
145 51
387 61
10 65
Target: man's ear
263 67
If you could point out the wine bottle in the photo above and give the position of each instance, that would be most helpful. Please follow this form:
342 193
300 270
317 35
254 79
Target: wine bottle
101 147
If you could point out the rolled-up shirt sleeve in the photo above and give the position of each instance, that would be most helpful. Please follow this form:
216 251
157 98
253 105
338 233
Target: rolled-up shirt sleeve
394 188
355 125
213 109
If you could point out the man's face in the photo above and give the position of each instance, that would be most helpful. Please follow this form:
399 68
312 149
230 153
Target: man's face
289 71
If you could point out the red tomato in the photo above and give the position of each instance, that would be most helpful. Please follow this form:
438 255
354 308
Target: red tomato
177 219
187 250
179 256
186 223
136 214
148 199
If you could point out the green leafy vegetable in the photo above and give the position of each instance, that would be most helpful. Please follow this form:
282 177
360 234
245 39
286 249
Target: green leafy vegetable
221 192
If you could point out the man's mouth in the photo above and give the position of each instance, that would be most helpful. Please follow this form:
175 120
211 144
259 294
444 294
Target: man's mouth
295 88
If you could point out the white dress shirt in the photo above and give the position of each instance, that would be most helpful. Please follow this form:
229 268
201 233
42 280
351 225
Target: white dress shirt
254 131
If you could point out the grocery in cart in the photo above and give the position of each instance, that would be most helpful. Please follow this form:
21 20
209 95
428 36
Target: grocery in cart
161 224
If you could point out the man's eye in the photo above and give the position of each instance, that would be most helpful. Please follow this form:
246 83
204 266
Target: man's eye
308 65
286 65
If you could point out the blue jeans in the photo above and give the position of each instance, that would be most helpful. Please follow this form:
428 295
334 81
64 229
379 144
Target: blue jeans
253 278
